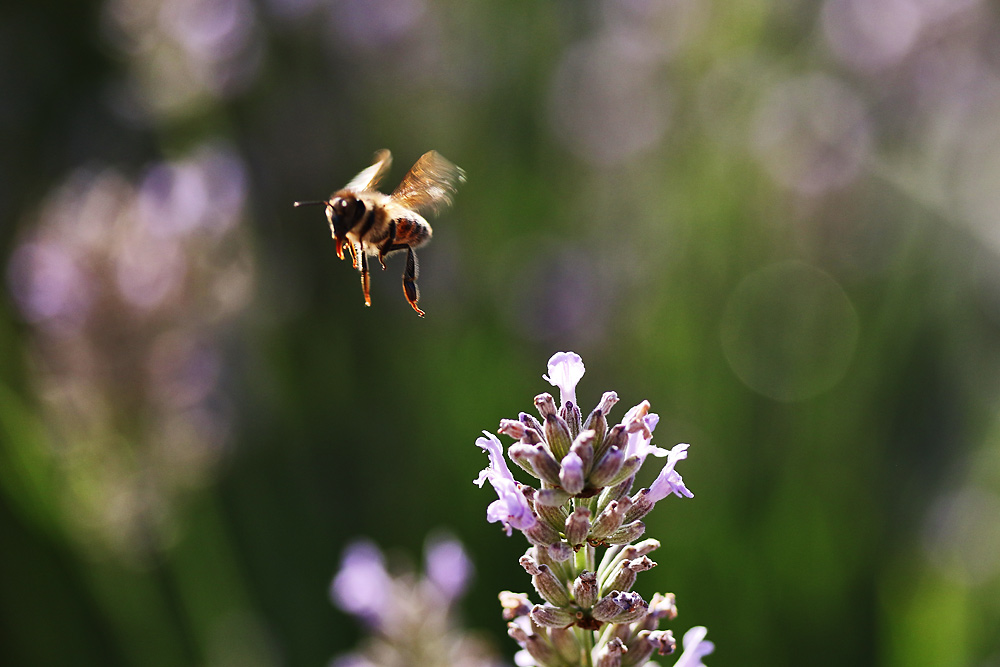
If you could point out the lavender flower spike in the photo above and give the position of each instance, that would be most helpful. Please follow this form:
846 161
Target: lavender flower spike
565 371
669 480
511 508
695 647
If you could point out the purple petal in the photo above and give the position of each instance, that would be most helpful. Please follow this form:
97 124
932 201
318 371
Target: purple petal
511 508
497 465
565 371
669 481
640 432
695 647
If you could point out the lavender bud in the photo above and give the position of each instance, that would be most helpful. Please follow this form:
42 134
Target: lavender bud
546 406
549 616
639 651
607 467
610 655
545 464
616 437
551 497
560 552
597 421
608 401
522 455
585 589
512 428
553 515
558 436
571 474
624 577
529 494
647 546
549 587
517 633
619 607
641 505
659 641
662 606
541 533
610 519
626 572
541 650
515 604
628 469
565 642
578 526
583 446
571 415
530 422
540 555
617 491
528 562
627 533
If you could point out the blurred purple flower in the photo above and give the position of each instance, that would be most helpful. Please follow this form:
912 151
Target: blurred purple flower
448 567
511 508
565 371
695 647
362 586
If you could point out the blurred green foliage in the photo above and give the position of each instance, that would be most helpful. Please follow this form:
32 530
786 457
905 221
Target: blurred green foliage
776 222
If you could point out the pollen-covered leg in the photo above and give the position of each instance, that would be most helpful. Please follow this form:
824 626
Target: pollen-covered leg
365 280
356 251
410 280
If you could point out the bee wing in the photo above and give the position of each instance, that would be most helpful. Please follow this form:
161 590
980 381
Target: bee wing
429 184
369 178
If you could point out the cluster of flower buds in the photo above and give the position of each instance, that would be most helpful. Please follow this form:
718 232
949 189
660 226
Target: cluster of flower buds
583 502
409 617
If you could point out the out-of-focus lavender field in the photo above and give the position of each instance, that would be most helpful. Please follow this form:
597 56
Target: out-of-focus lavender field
778 222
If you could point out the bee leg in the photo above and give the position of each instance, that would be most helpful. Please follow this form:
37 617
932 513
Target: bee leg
356 250
410 280
365 279
387 245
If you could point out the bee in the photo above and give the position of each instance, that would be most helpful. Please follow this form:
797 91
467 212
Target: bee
368 222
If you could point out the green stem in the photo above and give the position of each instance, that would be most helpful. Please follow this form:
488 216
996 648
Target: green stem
586 639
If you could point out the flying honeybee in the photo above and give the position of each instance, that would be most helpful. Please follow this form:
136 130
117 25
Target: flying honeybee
369 222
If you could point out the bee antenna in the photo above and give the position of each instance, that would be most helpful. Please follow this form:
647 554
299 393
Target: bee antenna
310 203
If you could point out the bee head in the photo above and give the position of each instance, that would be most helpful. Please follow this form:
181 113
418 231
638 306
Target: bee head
344 212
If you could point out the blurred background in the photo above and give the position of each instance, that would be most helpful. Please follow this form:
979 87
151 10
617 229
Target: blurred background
777 222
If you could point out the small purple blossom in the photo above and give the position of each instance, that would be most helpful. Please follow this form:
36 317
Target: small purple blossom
362 586
639 424
565 371
669 480
695 647
511 508
448 567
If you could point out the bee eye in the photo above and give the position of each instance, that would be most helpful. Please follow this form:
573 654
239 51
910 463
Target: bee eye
354 209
